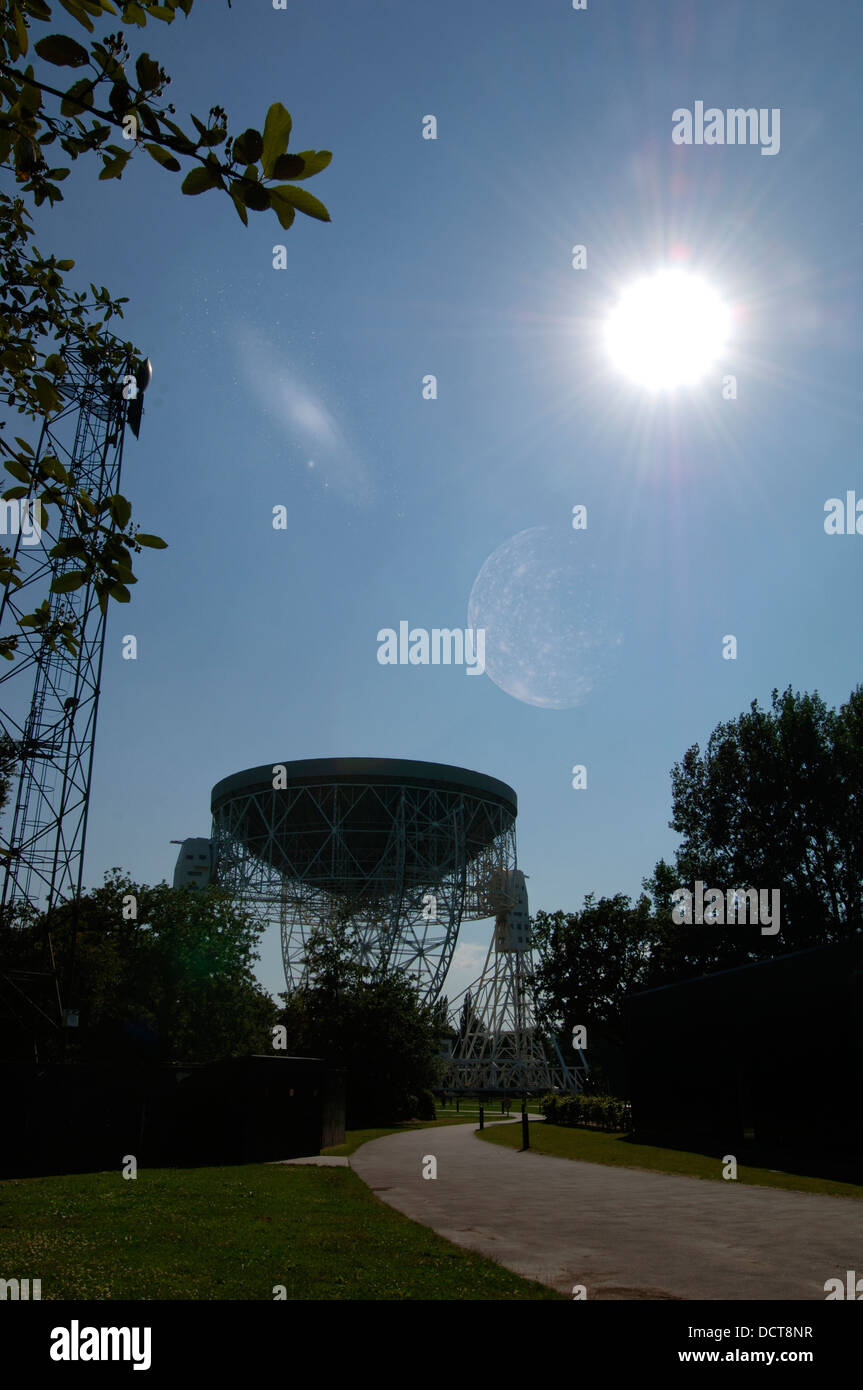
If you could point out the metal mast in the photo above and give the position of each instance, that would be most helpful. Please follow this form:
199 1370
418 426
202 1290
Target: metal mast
49 694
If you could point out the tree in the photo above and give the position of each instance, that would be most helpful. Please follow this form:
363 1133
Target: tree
373 1026
470 1024
774 802
588 962
112 96
8 762
173 982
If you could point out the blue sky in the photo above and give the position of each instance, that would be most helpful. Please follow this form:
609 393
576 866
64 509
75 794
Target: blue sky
452 256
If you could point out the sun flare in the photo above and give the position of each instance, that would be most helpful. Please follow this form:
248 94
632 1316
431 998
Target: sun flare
667 330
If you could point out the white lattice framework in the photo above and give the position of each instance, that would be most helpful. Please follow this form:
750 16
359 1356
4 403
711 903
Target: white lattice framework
500 1048
401 864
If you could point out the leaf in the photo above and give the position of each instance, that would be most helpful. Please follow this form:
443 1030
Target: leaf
284 212
154 542
15 492
277 132
30 93
248 146
119 592
21 32
289 166
72 546
17 470
147 72
199 180
301 200
254 195
65 583
113 168
69 106
48 398
186 146
51 467
77 11
120 509
120 97
314 160
238 204
62 51
163 157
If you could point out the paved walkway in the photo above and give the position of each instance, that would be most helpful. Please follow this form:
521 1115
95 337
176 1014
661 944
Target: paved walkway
621 1232
316 1161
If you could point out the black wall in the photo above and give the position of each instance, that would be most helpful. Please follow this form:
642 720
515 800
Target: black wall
86 1117
766 1057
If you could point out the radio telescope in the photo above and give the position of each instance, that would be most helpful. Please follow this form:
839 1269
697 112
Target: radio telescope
404 851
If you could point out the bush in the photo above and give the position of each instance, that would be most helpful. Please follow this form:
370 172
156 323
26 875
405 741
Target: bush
599 1112
424 1106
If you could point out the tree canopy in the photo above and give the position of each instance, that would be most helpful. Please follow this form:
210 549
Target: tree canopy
775 801
375 1027
173 982
588 961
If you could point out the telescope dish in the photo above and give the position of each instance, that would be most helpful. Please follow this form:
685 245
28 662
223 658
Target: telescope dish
403 850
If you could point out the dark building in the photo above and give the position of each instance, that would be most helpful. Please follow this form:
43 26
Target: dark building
763 1061
86 1117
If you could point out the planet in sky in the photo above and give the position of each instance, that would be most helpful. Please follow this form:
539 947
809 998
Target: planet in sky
547 608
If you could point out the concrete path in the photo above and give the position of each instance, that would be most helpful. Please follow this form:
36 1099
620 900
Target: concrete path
316 1161
621 1232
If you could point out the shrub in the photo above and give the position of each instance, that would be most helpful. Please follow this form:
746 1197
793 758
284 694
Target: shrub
600 1112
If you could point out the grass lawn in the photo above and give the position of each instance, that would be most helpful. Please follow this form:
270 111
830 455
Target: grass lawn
595 1146
232 1233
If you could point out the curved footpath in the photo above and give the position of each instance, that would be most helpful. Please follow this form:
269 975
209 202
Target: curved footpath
621 1232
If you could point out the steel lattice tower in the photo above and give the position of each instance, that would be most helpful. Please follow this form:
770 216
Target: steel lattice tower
500 1049
50 698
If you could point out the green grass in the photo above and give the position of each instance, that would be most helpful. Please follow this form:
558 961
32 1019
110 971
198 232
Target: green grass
355 1137
233 1233
595 1146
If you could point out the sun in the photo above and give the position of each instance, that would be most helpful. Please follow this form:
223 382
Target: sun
667 330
